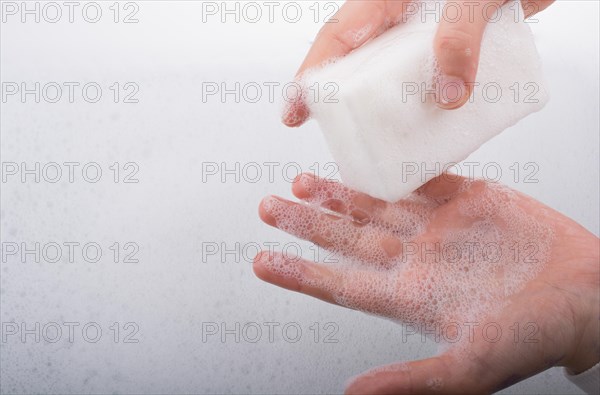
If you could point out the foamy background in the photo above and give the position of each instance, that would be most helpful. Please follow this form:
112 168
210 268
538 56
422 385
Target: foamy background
171 212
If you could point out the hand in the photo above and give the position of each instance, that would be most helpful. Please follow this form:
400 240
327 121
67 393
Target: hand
525 302
457 42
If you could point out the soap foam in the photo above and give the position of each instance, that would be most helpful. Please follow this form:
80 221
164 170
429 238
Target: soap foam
427 287
376 125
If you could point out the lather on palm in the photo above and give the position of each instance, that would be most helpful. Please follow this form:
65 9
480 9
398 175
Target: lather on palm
510 282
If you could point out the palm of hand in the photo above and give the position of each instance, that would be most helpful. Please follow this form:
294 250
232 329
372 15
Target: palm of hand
491 271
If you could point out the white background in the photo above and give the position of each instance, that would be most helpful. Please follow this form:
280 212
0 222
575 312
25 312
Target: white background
171 213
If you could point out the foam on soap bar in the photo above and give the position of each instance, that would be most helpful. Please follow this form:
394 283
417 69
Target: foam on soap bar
386 133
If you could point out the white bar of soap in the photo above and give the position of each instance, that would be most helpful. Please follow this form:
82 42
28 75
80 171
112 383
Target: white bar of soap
386 133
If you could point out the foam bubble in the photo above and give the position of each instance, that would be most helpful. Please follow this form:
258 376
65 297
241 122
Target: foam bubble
463 254
434 383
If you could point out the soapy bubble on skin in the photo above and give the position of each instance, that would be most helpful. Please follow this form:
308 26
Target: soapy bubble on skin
435 383
417 289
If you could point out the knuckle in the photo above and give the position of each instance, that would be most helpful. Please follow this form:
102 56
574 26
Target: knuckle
337 39
453 41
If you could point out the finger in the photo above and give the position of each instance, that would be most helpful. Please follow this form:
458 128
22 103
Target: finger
338 198
487 356
294 274
295 112
443 187
442 374
355 23
359 206
353 288
457 47
358 241
532 7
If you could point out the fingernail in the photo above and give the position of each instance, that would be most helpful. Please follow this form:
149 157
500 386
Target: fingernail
269 211
301 186
451 91
271 203
263 257
307 179
304 177
295 113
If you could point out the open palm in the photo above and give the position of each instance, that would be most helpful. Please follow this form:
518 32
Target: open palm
508 283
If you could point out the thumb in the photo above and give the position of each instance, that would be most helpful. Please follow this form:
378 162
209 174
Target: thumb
457 46
434 375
